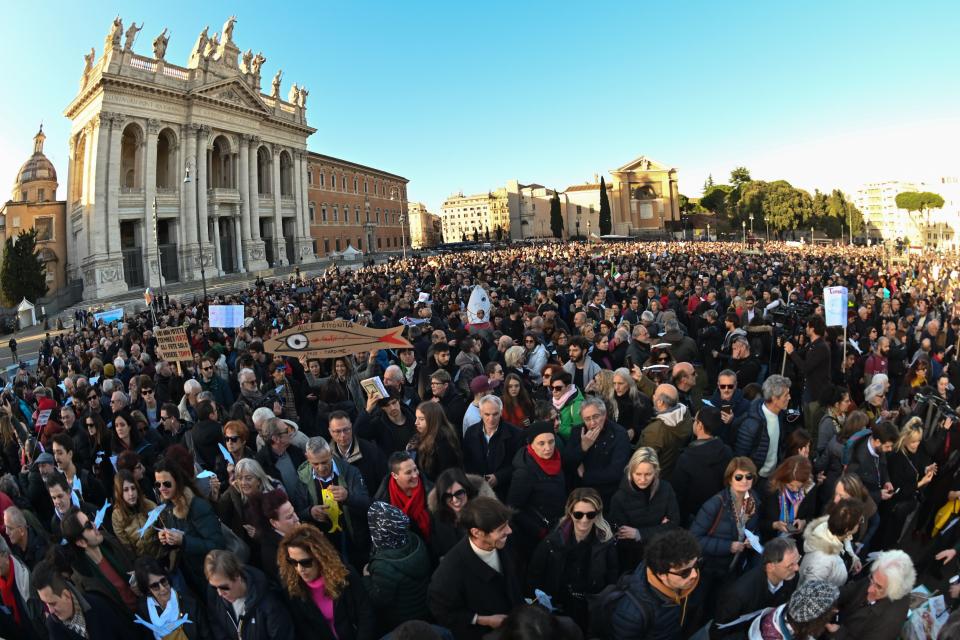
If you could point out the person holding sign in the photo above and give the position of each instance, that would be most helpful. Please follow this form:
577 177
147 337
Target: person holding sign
814 364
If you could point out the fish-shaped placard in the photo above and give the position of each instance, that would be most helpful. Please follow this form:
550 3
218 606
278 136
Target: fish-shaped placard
101 513
151 518
333 510
336 338
478 307
226 454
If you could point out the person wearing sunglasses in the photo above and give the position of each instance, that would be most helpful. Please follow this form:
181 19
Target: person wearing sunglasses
578 558
163 606
210 380
327 597
721 523
733 407
453 491
662 591
566 399
100 563
235 434
188 525
241 603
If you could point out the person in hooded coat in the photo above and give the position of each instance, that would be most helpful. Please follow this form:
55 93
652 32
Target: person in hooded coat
670 431
698 475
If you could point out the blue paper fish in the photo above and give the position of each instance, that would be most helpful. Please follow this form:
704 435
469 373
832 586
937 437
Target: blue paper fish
226 454
151 518
205 474
542 599
101 513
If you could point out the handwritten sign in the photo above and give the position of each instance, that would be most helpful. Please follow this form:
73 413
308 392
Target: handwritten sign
835 306
331 339
172 344
106 317
226 316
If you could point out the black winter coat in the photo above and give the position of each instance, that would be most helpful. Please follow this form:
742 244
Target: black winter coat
265 618
644 511
753 441
102 622
538 498
603 463
698 475
881 621
750 592
464 585
715 539
770 511
494 457
353 614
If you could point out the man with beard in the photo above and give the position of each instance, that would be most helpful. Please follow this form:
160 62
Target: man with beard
386 422
877 361
580 366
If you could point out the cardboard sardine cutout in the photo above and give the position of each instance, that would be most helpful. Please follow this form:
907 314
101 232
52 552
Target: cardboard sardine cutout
331 339
333 510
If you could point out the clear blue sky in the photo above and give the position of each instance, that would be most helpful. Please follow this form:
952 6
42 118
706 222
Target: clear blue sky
457 95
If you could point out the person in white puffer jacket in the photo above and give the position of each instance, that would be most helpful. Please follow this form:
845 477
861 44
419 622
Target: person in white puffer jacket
826 539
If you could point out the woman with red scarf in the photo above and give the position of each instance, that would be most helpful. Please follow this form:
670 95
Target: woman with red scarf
538 490
405 490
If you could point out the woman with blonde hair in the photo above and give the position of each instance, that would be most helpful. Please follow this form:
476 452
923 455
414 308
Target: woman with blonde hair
234 506
328 597
911 471
579 557
643 506
602 387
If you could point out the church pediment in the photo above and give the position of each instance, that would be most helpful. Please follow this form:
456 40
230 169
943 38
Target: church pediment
231 92
642 163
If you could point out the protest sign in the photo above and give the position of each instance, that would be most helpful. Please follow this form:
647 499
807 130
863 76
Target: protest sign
226 316
331 339
172 344
835 306
106 317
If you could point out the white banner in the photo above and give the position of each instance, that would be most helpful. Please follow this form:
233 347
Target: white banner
226 316
835 306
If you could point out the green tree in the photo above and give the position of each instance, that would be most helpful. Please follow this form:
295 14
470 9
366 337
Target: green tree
690 206
739 176
708 184
606 224
22 275
922 201
556 218
715 200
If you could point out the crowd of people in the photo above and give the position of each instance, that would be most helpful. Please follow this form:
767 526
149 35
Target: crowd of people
634 440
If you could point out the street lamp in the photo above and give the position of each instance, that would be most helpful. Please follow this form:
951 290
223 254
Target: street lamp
588 231
203 273
708 232
744 225
578 226
751 224
403 220
156 241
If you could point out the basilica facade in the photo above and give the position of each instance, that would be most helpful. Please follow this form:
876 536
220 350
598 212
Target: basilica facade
176 170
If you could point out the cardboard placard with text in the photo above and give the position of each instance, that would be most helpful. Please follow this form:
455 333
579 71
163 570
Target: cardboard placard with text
172 345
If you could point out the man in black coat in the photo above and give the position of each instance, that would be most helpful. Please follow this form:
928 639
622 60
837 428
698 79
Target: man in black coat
207 433
477 583
281 461
62 601
597 452
490 445
768 585
814 364
454 405
698 474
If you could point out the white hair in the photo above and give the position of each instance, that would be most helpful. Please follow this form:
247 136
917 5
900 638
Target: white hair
262 414
897 566
245 372
191 386
491 399
317 444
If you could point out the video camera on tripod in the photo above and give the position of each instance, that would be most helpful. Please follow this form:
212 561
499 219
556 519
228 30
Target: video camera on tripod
792 318
934 410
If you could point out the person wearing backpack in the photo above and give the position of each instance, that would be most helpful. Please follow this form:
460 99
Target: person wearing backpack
659 599
865 455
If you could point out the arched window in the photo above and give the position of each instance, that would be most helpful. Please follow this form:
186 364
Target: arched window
264 166
131 157
166 160
221 164
286 174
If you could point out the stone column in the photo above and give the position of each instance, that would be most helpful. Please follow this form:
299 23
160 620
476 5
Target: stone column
202 134
253 252
237 223
216 246
254 191
279 243
114 178
244 186
305 252
188 252
152 253
103 273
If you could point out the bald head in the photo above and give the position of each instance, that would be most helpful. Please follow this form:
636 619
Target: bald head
665 397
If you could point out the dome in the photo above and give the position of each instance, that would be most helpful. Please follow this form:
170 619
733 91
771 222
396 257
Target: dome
37 167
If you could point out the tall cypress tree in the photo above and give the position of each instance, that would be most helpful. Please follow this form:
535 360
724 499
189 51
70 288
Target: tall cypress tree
22 275
556 218
605 223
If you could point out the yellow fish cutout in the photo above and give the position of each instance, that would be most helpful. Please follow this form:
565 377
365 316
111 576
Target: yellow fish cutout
333 510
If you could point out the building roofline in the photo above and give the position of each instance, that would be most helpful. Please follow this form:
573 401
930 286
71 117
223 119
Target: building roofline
356 165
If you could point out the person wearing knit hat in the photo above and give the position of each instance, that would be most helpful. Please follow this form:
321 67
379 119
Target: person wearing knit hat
108 370
810 608
388 526
538 428
398 574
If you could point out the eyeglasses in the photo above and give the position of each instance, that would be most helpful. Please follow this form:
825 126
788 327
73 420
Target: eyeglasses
91 397
166 484
162 583
743 476
221 587
89 526
558 387
580 515
435 383
339 432
726 386
91 425
146 392
685 573
457 495
206 368
306 563
232 438
281 434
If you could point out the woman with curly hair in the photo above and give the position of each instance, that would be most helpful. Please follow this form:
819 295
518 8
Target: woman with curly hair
328 597
435 442
517 405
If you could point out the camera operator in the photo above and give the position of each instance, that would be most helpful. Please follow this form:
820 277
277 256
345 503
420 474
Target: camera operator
814 364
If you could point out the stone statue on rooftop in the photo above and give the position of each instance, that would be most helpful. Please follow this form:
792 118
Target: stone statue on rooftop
160 44
88 59
258 61
132 32
228 28
303 97
115 30
247 65
212 44
293 97
275 92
